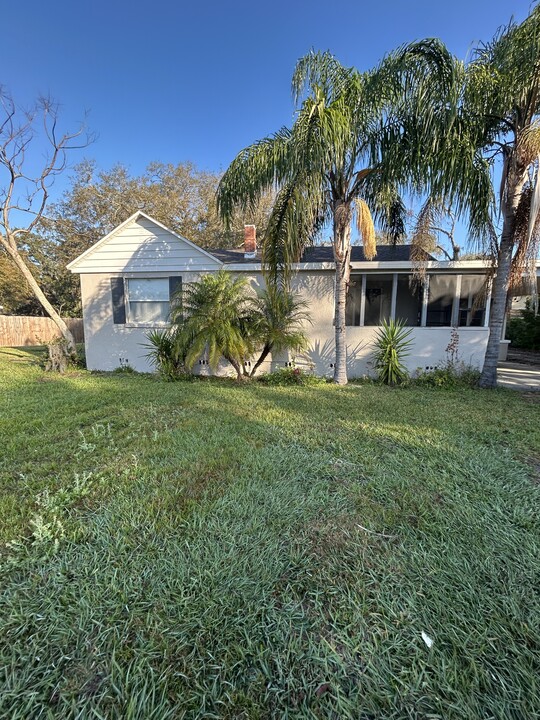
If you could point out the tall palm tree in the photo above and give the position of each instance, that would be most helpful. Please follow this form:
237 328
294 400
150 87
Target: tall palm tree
343 159
503 92
492 112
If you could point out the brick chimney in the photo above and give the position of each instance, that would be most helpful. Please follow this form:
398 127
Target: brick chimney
250 242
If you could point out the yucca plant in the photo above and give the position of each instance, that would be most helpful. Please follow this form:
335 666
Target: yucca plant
392 346
165 352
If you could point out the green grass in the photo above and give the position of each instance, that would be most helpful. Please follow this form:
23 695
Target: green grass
209 550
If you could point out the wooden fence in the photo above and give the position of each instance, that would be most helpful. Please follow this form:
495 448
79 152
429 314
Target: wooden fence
19 330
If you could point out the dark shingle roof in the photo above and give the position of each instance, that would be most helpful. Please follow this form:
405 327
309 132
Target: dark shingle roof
324 254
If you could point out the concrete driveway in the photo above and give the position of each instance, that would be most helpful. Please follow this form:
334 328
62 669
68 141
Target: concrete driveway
518 376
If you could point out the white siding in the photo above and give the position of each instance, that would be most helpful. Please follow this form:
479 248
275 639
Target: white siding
107 344
142 246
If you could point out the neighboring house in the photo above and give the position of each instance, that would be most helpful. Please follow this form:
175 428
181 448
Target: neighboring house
129 277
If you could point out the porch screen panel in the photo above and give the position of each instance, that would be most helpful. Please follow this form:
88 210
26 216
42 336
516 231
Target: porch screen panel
378 299
472 301
442 290
354 298
409 300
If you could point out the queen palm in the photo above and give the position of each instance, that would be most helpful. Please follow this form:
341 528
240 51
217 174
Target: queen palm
344 159
492 111
502 96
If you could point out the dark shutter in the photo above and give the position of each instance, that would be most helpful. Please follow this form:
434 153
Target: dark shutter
175 292
175 286
118 301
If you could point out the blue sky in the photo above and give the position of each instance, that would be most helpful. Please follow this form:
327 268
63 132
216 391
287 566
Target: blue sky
200 80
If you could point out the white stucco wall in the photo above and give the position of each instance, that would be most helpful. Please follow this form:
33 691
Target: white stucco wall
108 345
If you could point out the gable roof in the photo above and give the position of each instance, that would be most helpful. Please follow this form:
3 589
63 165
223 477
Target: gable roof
126 254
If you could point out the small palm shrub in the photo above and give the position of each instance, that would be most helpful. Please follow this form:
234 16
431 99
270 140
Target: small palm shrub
220 317
165 352
392 346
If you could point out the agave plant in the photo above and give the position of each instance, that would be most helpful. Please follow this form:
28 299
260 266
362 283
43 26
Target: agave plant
392 346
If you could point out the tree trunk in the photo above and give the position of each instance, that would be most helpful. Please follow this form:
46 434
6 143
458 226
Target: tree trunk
262 357
38 292
342 258
238 367
499 293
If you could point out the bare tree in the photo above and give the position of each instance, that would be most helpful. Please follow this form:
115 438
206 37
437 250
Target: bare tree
25 182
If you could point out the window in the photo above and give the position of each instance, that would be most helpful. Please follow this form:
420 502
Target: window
451 300
378 299
148 300
409 300
472 301
442 290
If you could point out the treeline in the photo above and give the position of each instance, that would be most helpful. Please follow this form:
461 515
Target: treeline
180 196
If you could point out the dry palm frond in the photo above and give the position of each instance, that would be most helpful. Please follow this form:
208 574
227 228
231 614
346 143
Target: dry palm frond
523 273
364 223
423 238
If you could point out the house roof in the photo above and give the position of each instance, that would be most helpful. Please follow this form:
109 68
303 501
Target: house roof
324 254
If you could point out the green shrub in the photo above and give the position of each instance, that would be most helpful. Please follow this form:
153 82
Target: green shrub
524 331
291 376
392 345
80 358
165 353
448 376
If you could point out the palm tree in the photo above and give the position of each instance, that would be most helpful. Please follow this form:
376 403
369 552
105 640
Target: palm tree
343 159
502 94
491 112
276 324
220 315
213 316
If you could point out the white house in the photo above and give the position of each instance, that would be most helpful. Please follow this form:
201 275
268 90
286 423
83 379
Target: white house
129 276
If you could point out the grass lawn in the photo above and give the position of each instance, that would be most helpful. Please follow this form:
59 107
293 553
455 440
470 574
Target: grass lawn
208 550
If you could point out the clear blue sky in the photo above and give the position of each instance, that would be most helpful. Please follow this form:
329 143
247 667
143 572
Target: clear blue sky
174 81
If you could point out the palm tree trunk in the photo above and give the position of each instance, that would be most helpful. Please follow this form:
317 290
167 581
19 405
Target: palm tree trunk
237 367
342 258
38 292
499 294
501 281
262 357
